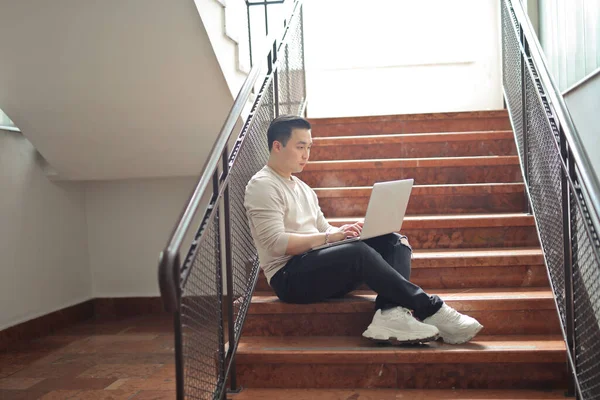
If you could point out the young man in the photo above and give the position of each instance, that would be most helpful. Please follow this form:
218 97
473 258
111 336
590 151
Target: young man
286 223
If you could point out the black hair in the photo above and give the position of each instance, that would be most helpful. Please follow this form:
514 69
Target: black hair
281 128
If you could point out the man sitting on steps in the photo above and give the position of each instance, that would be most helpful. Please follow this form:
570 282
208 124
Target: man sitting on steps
286 223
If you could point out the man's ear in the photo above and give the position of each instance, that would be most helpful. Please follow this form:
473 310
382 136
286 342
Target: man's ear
276 145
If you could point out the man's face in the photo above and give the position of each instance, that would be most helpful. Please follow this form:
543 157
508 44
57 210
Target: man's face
294 155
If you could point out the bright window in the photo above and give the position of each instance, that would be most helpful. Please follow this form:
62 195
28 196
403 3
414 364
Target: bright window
5 122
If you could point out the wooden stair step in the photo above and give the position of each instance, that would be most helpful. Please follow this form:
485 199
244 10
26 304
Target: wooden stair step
443 170
464 231
453 221
357 350
431 199
490 362
464 258
470 268
412 123
501 311
393 394
465 300
482 143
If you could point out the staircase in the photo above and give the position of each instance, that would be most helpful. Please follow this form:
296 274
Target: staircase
474 245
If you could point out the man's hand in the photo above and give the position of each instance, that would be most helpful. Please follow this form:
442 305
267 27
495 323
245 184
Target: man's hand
352 230
299 243
346 231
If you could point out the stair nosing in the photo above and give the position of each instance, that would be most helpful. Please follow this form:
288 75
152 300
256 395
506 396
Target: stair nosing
515 299
499 257
428 162
424 190
444 221
399 138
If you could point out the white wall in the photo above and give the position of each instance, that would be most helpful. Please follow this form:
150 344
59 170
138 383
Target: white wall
402 56
227 29
583 103
112 89
129 223
43 237
63 242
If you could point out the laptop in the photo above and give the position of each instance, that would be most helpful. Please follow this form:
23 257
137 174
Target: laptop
385 212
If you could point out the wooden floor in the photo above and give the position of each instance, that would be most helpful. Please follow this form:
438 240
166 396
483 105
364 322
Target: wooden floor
133 359
126 359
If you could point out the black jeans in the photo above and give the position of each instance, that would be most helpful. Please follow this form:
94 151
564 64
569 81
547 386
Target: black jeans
383 263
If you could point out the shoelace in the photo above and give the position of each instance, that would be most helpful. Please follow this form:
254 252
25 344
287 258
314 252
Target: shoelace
453 315
400 312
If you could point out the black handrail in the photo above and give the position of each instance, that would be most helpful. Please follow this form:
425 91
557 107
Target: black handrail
580 157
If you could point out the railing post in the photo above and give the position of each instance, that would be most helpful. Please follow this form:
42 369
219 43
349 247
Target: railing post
525 144
179 384
229 274
272 60
569 249
266 18
303 61
249 33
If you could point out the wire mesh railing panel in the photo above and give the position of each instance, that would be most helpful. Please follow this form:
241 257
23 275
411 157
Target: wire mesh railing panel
208 325
252 156
201 318
544 144
545 190
586 294
291 72
511 76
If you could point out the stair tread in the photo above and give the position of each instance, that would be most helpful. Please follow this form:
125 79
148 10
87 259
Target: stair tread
353 349
452 220
476 253
412 162
443 189
472 294
411 138
465 300
441 258
405 117
395 394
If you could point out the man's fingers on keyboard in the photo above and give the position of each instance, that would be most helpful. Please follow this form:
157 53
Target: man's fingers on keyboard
353 228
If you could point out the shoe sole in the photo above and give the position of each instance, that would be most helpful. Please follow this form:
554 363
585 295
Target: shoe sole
462 341
396 342
381 338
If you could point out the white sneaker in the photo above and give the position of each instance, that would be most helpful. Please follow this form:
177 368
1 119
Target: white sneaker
455 328
397 325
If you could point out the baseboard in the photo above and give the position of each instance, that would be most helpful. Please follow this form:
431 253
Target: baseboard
46 324
99 308
123 307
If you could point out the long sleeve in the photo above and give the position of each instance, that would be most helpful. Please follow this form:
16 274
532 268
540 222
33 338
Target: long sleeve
265 208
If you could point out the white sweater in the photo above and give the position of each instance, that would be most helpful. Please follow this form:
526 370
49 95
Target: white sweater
277 207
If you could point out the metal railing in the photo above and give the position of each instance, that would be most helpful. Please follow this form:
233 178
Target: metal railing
209 290
563 192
